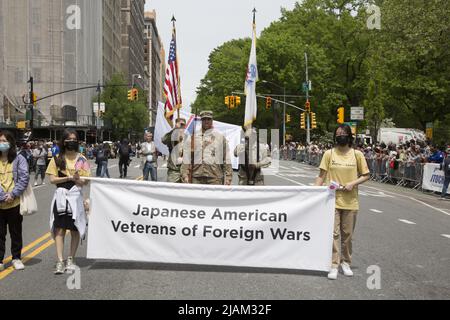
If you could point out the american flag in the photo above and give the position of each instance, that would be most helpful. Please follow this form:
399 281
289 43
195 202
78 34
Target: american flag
172 83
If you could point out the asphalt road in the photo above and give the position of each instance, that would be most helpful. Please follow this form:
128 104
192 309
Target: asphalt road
405 234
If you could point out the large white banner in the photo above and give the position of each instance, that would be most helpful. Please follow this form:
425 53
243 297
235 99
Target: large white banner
433 178
270 227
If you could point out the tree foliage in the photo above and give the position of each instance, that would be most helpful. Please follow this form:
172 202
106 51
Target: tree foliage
401 71
127 118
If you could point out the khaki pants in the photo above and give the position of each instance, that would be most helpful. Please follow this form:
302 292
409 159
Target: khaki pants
173 176
344 226
207 180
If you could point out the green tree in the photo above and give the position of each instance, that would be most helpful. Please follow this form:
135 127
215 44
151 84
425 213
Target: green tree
127 118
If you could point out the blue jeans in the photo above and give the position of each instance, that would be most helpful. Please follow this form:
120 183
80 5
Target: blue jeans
104 169
445 187
150 167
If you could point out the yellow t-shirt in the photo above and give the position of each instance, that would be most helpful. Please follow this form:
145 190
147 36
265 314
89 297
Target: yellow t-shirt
84 171
344 168
7 184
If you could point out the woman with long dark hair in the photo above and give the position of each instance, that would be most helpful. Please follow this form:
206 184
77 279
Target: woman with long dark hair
14 179
348 168
67 209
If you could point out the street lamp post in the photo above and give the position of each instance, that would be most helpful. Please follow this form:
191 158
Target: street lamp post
284 107
308 123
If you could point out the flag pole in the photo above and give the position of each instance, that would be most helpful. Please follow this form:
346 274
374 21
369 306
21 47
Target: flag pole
178 84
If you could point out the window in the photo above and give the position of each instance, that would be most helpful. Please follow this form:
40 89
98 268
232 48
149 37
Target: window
37 75
36 48
36 17
19 75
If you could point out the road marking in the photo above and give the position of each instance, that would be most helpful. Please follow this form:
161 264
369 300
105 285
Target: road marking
446 235
137 166
293 181
406 221
283 167
411 198
28 247
27 258
376 211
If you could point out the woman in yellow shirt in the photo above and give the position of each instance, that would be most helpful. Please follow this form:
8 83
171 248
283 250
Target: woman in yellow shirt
348 167
14 179
67 210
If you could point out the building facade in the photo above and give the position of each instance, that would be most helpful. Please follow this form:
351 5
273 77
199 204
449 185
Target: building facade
111 38
154 62
59 44
132 40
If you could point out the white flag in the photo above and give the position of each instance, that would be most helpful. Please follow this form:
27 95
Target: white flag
250 85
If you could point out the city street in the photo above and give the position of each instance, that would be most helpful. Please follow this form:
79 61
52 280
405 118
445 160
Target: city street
405 233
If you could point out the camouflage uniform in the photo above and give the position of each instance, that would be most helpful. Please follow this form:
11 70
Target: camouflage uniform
264 162
212 163
171 140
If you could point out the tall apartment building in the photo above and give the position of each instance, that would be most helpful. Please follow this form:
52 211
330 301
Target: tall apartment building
154 61
112 45
59 44
132 39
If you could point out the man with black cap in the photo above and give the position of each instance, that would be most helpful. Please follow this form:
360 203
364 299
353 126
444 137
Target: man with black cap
211 161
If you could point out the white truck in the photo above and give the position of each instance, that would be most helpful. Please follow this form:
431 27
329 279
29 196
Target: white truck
399 135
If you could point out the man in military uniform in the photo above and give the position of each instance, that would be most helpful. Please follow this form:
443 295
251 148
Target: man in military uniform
173 140
212 162
249 163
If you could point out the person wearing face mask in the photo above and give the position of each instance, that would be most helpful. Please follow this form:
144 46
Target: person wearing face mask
14 179
348 168
67 208
40 156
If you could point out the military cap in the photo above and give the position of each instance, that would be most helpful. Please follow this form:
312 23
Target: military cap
206 114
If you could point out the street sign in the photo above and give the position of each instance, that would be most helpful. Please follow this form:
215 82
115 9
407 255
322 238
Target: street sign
102 107
353 126
357 113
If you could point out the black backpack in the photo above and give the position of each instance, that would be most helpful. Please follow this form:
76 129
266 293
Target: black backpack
124 151
100 155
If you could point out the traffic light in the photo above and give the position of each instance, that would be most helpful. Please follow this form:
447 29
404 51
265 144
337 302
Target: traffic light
34 98
288 118
268 103
130 95
313 121
340 115
302 121
227 102
232 102
238 101
21 124
135 94
308 106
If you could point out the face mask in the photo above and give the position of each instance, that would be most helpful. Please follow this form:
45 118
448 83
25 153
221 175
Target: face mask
71 145
342 140
4 147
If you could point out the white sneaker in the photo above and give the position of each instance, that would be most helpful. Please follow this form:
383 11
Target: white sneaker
332 275
35 183
18 265
70 264
2 267
346 269
60 267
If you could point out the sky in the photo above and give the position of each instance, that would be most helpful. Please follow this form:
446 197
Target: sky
203 25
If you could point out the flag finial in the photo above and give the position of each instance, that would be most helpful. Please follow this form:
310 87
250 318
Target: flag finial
254 15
